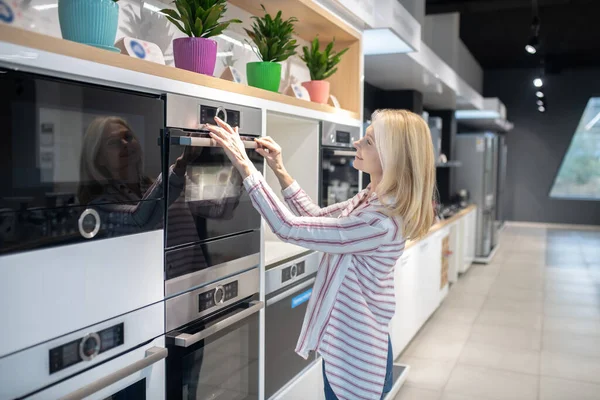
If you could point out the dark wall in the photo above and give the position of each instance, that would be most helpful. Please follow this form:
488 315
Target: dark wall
538 142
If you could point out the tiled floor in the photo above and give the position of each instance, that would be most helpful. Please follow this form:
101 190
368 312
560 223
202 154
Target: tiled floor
526 327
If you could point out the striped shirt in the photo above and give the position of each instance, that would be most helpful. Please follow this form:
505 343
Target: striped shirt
348 315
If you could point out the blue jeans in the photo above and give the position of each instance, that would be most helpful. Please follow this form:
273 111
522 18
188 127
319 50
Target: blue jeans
387 385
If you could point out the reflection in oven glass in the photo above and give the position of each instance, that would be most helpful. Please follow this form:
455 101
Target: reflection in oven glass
137 391
77 162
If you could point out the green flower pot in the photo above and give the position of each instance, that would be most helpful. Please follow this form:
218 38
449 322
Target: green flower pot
264 75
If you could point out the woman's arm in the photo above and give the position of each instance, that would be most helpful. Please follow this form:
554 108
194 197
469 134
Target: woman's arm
298 201
353 234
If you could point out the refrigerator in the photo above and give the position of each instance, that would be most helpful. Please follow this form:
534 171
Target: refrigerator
478 153
502 159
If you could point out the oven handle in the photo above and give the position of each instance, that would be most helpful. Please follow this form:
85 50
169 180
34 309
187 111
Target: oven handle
288 292
153 355
345 153
204 142
187 340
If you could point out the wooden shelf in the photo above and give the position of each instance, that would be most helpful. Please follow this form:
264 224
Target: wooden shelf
314 20
67 48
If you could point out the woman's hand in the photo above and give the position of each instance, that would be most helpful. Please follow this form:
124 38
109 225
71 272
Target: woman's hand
271 151
229 139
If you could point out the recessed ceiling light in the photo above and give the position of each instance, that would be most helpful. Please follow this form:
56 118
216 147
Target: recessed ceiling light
540 103
541 109
539 94
537 82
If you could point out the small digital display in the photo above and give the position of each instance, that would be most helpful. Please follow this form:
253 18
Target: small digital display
111 337
342 137
208 114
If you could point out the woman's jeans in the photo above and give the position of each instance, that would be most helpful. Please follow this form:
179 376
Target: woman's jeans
387 386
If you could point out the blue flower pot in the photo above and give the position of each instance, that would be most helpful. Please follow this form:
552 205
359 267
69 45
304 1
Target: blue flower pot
92 22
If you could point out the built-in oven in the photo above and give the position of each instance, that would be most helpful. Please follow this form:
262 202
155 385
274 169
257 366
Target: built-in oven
122 358
213 230
81 205
339 179
213 341
288 288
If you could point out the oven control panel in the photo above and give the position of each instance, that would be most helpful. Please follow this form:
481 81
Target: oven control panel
86 348
218 295
292 271
208 114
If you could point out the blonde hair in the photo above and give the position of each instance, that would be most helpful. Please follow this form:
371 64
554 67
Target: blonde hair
92 176
406 190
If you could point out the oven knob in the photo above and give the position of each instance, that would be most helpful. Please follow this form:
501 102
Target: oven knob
89 223
221 113
219 296
89 347
293 271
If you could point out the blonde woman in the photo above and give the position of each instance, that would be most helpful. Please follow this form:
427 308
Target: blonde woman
348 315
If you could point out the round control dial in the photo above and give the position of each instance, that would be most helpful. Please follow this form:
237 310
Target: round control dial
89 347
221 113
89 223
293 271
219 295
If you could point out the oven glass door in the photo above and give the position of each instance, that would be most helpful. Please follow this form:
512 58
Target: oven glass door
212 201
339 178
220 361
284 316
77 162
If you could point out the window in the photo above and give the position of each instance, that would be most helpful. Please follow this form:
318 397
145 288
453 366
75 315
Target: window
579 174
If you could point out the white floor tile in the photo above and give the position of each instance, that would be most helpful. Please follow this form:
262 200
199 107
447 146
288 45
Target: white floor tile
568 311
578 326
511 338
482 382
474 285
413 393
427 374
503 304
511 319
439 348
446 313
524 361
464 300
516 294
572 298
562 389
578 368
568 343
450 331
590 289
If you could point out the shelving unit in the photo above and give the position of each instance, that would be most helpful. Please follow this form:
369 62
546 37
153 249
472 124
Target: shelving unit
313 19
67 48
299 140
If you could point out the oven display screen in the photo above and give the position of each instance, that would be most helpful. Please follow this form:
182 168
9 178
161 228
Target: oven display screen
342 137
111 337
208 114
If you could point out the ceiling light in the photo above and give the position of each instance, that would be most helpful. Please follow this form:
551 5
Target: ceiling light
476 114
541 109
532 45
537 82
539 94
540 102
384 41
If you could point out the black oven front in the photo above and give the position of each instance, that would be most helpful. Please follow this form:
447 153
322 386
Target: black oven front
214 353
339 180
213 230
78 162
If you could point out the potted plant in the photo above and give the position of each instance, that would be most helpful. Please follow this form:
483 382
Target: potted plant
321 66
199 20
273 42
92 22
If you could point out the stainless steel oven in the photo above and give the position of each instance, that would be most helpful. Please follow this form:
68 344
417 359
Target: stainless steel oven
339 179
81 205
212 231
121 358
288 289
213 341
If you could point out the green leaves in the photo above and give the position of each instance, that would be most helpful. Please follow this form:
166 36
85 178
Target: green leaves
321 64
199 18
272 37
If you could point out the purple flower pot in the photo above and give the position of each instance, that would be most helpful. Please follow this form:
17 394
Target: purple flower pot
195 54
